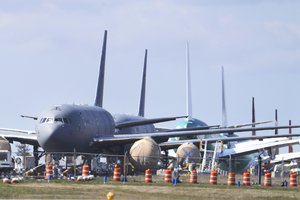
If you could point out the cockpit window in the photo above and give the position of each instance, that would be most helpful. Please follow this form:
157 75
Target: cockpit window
67 121
43 120
52 120
49 120
59 120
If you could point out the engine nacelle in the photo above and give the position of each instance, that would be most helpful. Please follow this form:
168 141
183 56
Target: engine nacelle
188 153
144 154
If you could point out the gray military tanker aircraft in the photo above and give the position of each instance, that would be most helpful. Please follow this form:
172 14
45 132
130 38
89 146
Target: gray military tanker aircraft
84 128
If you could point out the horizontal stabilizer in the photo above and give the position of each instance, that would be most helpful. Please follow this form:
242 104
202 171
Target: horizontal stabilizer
30 117
146 121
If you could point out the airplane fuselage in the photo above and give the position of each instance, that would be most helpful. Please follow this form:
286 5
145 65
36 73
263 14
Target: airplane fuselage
65 128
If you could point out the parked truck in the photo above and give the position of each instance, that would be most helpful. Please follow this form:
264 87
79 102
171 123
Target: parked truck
6 162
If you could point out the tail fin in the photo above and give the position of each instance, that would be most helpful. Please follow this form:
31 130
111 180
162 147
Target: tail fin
100 88
253 115
276 121
188 84
143 90
276 150
224 111
290 132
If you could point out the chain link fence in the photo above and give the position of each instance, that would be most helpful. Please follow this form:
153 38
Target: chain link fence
66 164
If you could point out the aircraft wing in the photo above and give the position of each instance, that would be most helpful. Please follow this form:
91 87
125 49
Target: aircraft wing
286 157
163 136
177 143
22 136
245 148
146 121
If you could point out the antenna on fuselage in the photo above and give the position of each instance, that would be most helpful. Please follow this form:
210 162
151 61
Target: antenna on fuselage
143 89
224 111
188 84
100 87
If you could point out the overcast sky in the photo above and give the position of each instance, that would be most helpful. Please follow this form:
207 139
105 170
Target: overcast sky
50 53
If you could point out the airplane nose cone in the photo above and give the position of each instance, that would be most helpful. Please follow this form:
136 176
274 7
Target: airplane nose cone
50 137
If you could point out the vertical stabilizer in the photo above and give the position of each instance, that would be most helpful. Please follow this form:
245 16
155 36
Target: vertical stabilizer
100 87
224 111
253 115
276 150
188 84
276 121
290 150
143 89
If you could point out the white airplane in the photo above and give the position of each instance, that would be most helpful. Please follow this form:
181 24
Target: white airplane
234 149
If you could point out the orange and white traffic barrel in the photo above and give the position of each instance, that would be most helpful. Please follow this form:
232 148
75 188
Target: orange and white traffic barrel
14 180
5 180
293 179
49 172
148 176
117 173
85 170
246 178
267 181
193 176
168 176
231 178
213 178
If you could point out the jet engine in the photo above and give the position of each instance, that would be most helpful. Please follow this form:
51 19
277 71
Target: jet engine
144 154
188 153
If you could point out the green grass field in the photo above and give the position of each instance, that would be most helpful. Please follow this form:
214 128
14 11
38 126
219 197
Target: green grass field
62 189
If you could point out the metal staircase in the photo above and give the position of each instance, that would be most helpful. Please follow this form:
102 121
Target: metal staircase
210 157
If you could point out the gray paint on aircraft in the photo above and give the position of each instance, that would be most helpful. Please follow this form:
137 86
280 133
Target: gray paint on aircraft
84 124
121 118
100 88
143 89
